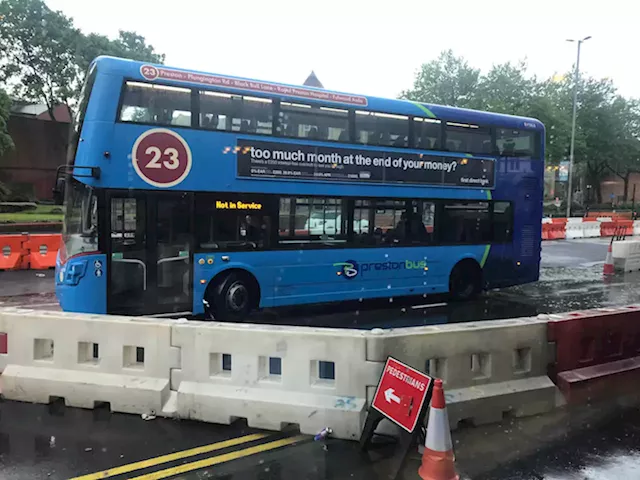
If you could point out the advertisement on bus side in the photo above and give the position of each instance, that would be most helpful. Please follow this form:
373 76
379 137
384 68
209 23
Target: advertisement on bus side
259 159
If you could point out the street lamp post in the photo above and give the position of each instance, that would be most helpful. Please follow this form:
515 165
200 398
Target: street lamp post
573 123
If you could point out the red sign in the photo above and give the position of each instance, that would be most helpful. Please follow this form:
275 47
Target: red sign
153 73
401 393
161 157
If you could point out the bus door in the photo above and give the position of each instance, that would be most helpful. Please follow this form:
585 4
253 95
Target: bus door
150 252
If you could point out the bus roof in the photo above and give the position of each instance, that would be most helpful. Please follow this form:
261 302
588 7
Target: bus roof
135 70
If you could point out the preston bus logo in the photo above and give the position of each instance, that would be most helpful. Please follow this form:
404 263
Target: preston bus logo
348 269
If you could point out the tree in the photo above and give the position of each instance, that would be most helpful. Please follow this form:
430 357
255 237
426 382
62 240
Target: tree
6 143
506 89
127 45
448 80
45 57
607 140
38 52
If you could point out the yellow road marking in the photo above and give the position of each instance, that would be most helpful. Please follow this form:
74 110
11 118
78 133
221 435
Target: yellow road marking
227 457
152 462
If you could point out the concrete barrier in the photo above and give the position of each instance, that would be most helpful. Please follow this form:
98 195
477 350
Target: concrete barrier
626 255
490 369
591 229
574 229
595 352
273 375
87 360
313 377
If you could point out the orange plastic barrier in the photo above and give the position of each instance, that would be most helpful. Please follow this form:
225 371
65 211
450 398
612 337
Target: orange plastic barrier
556 231
13 252
625 227
616 227
559 220
43 250
620 215
608 229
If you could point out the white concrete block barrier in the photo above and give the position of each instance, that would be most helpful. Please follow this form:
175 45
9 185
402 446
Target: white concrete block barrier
591 229
87 360
574 229
274 376
626 255
490 369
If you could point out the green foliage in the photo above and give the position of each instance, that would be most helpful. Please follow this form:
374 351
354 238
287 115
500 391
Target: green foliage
127 45
37 50
5 109
45 57
607 126
448 80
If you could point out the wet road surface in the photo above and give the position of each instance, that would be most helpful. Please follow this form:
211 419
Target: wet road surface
53 442
606 450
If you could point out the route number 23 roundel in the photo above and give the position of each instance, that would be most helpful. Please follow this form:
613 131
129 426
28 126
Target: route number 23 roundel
161 157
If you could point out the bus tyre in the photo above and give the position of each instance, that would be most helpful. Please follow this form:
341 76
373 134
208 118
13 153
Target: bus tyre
465 282
233 297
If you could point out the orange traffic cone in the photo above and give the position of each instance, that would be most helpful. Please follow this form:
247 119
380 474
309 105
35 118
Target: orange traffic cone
608 262
437 458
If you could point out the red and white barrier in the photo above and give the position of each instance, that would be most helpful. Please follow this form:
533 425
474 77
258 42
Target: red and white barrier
578 227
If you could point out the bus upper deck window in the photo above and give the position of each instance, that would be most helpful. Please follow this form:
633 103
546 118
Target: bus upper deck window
384 129
426 133
301 120
468 138
516 143
236 113
156 104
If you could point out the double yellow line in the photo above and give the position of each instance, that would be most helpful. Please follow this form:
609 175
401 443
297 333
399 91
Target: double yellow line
188 467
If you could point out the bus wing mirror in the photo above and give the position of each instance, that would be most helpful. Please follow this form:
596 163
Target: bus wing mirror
58 191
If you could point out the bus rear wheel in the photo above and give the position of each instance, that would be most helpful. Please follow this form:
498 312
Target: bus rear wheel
465 282
232 297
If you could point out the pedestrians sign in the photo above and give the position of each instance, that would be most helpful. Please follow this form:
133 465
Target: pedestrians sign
401 394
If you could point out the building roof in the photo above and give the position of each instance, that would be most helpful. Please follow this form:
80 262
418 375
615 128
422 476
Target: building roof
312 81
39 111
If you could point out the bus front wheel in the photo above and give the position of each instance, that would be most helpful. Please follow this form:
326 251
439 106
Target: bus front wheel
465 282
232 297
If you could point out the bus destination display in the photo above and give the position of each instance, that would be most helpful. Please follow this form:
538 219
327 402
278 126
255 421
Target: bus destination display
258 159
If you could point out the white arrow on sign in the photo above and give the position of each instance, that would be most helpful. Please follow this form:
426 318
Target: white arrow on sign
390 396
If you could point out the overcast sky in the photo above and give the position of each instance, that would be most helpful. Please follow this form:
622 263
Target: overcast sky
374 47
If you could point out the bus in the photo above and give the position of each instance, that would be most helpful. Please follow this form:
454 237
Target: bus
190 193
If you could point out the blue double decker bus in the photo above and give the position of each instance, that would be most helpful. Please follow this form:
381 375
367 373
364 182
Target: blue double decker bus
188 191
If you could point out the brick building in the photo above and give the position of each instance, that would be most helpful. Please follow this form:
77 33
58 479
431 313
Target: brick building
40 143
